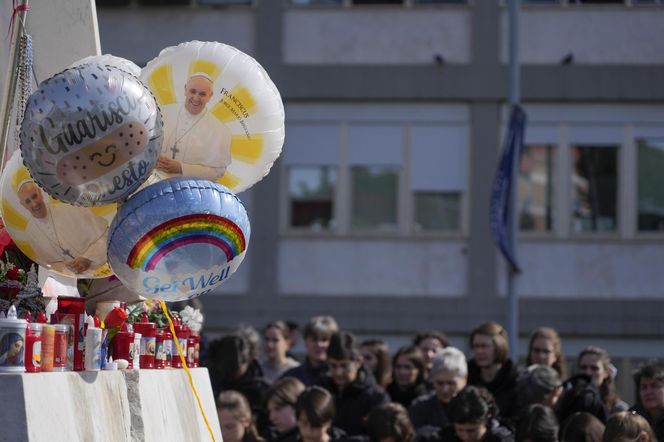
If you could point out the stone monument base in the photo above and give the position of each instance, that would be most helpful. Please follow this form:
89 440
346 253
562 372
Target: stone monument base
131 405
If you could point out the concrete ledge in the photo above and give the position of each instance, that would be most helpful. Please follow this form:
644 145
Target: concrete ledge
133 405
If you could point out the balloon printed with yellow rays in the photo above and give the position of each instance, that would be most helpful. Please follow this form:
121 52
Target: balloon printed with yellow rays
67 239
223 116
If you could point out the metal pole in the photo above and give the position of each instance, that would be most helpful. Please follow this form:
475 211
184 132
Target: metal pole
9 93
514 99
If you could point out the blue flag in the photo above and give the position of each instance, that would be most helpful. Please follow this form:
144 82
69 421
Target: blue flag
501 193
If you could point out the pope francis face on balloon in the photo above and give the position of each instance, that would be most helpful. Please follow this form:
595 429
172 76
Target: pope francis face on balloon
60 233
32 199
198 92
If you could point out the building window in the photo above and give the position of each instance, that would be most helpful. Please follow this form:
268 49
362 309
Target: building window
650 157
594 188
374 197
536 188
438 176
316 2
311 192
437 211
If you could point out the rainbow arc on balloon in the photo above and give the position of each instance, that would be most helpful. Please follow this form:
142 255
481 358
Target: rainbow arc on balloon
179 232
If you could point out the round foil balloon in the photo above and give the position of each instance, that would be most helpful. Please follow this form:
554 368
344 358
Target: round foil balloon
110 60
178 239
223 116
67 239
91 135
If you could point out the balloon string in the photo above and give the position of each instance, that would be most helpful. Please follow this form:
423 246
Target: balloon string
186 369
17 9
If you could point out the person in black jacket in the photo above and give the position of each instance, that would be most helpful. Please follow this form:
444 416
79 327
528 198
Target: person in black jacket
281 399
315 414
472 414
408 376
538 424
232 368
650 400
353 386
449 374
317 335
491 366
390 422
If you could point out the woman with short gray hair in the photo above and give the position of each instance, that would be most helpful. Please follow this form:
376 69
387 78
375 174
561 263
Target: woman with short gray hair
449 373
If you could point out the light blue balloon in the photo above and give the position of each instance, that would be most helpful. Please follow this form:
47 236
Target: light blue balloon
91 135
178 239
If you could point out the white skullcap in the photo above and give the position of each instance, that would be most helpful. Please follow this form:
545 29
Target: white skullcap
201 74
24 181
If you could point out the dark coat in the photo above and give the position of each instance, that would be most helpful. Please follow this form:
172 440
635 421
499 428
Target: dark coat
289 436
502 387
580 394
254 388
406 396
336 435
656 424
428 410
355 401
307 373
496 433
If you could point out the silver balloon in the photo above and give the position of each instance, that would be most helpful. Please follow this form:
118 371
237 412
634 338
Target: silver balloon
91 135
110 60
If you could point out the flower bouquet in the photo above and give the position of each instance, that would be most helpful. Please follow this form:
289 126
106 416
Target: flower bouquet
20 289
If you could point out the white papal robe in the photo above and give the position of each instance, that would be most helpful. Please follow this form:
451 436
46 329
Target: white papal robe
66 233
201 143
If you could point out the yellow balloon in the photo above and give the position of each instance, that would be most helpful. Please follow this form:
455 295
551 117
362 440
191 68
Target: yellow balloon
223 116
67 239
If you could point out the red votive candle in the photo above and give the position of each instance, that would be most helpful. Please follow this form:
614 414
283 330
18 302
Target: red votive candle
33 341
123 346
182 333
148 331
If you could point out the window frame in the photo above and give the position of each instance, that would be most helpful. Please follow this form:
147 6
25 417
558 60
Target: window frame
642 234
404 116
286 186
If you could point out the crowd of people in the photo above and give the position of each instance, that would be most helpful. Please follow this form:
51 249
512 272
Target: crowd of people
427 391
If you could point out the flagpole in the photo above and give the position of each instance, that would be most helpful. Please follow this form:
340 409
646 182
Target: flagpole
514 100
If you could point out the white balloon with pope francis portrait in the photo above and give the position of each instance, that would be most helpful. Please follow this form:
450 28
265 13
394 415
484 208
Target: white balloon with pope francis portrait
67 239
223 116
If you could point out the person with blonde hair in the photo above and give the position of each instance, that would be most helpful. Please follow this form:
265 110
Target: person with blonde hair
235 418
628 426
545 348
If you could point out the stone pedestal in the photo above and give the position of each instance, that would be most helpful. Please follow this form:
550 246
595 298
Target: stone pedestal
132 405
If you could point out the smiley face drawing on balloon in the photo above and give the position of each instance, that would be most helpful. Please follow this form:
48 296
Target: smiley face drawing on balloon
91 135
98 158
